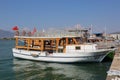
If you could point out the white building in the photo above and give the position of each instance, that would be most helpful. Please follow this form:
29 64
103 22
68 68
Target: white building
115 35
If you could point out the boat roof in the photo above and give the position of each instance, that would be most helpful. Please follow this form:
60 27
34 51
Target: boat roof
57 34
44 37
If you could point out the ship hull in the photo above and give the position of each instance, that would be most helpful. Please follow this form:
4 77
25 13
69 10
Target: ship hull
96 56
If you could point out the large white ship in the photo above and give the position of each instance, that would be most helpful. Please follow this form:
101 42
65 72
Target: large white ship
71 46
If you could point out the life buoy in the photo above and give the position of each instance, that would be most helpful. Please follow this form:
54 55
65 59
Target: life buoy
34 55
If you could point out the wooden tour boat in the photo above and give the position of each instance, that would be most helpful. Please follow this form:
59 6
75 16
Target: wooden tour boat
71 46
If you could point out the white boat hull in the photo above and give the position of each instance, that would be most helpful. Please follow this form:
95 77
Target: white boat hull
96 56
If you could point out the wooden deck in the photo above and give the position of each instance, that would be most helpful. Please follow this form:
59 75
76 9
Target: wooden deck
114 71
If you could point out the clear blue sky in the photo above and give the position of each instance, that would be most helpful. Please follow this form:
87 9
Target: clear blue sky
60 13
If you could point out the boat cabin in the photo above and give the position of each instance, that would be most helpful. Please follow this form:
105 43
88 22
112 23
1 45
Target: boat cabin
53 44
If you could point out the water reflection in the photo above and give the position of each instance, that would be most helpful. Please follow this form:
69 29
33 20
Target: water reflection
28 70
6 60
6 70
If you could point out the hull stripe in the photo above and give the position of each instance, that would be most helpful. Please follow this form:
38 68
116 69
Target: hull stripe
62 56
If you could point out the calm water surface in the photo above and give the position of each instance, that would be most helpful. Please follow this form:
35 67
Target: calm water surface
18 69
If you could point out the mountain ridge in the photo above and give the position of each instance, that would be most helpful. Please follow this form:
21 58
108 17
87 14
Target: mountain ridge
6 34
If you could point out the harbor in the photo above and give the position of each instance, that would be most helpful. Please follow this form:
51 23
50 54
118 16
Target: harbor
59 40
114 71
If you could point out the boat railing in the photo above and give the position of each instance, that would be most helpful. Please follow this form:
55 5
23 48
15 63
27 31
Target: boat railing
56 33
103 45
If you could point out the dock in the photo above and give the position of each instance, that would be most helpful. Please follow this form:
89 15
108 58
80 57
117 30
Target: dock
114 71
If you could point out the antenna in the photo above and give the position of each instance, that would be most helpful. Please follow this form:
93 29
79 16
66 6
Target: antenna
91 31
105 31
105 36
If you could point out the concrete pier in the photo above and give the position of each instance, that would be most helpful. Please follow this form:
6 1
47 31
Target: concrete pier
114 71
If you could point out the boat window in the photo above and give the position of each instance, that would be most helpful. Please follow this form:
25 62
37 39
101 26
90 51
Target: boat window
60 50
77 48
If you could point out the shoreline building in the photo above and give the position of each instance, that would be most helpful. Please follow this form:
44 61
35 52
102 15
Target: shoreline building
115 35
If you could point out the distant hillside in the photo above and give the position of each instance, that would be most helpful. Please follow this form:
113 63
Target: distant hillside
6 34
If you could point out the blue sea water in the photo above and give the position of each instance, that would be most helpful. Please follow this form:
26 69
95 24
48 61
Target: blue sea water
19 69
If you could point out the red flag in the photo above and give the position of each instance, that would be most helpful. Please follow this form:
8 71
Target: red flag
34 30
15 28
